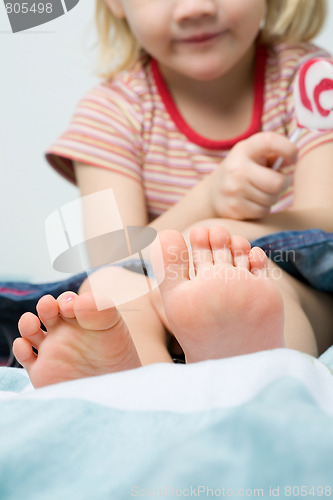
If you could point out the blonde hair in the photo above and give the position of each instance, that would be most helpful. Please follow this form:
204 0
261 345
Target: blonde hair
285 21
293 20
117 47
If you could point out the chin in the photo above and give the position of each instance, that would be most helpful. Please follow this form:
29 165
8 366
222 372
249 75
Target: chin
205 75
204 72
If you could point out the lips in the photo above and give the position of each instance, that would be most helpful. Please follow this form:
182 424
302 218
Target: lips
202 37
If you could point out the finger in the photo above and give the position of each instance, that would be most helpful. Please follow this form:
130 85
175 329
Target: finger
264 146
253 210
267 180
259 197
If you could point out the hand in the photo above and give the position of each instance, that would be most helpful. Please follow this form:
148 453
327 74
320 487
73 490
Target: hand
243 186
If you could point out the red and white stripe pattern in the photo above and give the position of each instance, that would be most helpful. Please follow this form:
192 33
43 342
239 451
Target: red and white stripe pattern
131 125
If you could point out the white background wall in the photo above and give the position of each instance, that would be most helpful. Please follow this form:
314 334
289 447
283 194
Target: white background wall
43 73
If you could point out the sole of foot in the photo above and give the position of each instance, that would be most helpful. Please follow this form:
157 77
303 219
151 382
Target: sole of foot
230 306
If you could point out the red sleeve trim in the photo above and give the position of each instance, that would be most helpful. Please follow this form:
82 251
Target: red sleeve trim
184 127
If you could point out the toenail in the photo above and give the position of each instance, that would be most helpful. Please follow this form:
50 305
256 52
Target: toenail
69 299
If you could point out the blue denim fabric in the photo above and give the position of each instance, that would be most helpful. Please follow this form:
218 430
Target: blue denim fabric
306 255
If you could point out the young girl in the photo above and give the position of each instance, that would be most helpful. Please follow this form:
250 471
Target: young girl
196 105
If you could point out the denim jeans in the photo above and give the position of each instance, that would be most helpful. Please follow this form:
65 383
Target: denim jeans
306 255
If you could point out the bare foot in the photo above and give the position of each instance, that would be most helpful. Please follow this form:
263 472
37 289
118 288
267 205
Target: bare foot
231 306
80 340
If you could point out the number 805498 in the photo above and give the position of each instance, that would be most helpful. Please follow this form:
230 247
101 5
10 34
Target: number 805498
25 8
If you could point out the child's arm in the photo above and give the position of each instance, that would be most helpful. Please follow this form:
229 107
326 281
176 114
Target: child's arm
242 187
313 200
314 179
128 193
225 193
313 182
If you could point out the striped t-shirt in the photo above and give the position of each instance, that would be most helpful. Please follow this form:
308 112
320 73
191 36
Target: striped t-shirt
131 125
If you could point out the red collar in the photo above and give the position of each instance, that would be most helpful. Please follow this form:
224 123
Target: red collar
183 126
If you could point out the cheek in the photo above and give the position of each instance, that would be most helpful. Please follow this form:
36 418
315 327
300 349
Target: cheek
135 24
146 26
247 14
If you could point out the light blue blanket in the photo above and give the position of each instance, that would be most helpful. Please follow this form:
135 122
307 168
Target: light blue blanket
259 425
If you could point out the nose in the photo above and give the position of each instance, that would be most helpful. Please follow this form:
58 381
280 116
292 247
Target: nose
187 10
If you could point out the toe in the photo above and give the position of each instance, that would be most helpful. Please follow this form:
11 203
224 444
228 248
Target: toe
48 311
91 318
201 250
29 327
220 240
258 262
23 352
175 258
66 303
240 248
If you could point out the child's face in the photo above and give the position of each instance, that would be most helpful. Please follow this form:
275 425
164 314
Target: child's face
199 39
